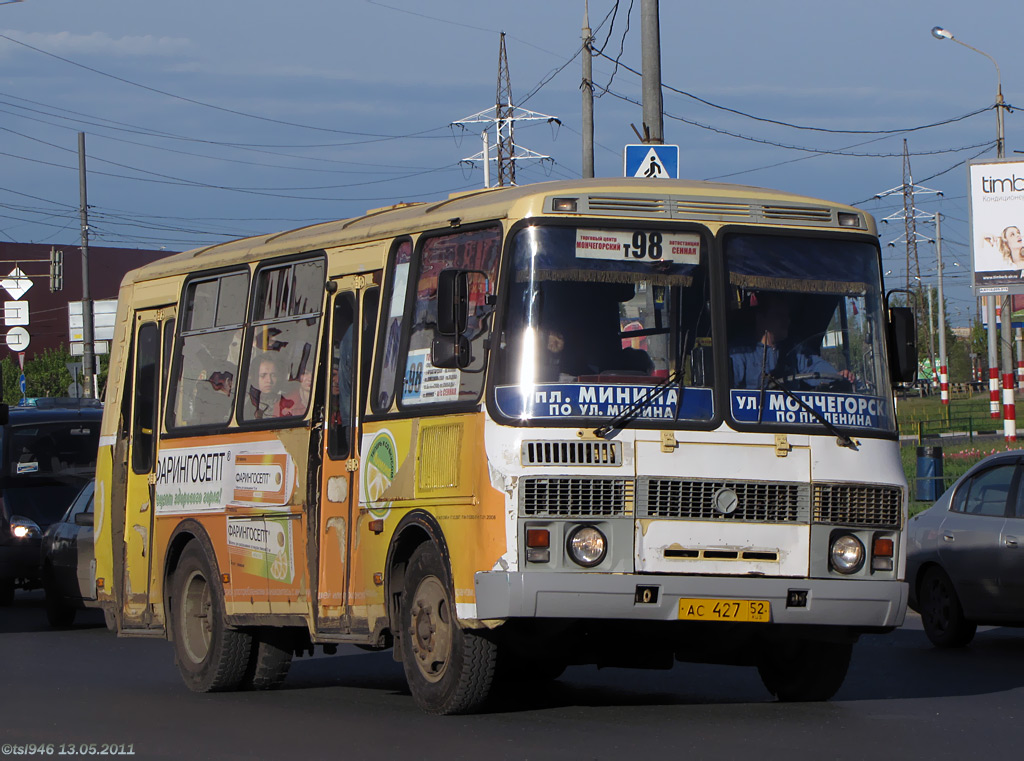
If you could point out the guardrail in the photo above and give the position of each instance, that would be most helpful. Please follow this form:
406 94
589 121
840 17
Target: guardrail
967 425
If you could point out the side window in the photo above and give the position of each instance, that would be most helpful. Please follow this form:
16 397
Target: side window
476 251
285 323
144 419
343 340
1018 507
211 340
988 492
391 332
371 302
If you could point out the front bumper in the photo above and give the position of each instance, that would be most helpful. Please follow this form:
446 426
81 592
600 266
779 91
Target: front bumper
829 602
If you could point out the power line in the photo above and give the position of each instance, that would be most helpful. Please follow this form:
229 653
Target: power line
791 125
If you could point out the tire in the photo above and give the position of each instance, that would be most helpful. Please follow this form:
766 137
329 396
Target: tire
59 613
6 592
805 670
110 620
210 656
269 661
941 612
449 670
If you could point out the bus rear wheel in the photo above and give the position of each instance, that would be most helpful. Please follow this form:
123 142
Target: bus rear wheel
210 656
450 670
805 670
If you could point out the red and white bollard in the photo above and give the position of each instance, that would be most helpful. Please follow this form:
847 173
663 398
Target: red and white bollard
944 384
1009 415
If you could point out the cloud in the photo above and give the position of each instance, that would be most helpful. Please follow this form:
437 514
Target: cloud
70 43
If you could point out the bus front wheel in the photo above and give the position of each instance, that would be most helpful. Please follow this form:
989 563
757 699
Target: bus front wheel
210 656
450 670
805 670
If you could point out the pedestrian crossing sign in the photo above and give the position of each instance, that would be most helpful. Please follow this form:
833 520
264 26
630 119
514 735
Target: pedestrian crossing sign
650 161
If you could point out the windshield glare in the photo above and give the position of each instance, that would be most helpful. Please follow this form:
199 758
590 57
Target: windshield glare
597 318
805 315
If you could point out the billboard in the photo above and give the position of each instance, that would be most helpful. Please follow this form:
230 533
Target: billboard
996 192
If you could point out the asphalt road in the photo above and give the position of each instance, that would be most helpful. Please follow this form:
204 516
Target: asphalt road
902 699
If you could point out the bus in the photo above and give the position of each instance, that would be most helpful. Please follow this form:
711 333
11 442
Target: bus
616 422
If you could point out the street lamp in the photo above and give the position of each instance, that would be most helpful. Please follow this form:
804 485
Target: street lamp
1009 425
944 34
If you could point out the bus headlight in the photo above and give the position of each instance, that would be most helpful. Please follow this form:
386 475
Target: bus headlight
587 546
847 553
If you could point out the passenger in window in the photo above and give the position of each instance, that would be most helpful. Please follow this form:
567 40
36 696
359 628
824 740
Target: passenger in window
295 403
264 398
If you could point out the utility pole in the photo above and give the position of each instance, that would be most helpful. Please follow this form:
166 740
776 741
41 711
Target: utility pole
650 32
943 369
88 357
587 88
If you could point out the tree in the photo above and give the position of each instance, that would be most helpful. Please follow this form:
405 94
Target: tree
46 374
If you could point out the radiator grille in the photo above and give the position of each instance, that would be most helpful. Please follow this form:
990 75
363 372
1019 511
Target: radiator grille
858 505
439 449
575 497
571 453
695 500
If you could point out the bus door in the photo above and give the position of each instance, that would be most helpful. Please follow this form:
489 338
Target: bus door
153 332
353 315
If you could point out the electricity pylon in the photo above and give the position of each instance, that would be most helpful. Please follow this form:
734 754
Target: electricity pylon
503 118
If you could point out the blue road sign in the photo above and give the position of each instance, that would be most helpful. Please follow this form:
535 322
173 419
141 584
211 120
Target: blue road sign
652 161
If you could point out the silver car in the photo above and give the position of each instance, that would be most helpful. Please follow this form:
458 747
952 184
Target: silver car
68 562
965 556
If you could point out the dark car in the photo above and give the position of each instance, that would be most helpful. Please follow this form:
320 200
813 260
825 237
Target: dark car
47 454
965 554
68 561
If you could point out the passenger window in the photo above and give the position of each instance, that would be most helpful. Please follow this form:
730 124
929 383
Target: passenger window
211 342
476 251
391 336
988 491
283 337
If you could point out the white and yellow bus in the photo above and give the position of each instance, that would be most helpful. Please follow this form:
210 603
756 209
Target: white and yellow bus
619 422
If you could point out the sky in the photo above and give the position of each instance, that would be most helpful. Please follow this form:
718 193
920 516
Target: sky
207 121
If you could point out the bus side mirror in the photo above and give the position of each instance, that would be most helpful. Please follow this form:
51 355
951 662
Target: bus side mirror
451 348
450 352
902 344
452 302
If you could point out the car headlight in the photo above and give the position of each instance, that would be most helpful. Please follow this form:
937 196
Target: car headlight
847 553
24 528
587 546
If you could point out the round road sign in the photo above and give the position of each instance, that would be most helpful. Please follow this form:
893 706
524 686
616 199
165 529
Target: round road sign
17 339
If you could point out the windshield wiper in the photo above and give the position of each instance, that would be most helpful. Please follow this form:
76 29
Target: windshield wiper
634 410
766 378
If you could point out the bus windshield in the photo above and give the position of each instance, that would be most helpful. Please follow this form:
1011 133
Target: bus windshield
805 317
601 319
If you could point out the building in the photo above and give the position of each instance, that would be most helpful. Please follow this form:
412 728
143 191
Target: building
47 312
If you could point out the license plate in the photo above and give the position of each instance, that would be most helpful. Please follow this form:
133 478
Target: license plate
691 609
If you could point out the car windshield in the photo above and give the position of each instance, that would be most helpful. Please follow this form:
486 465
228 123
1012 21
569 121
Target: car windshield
598 319
805 317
